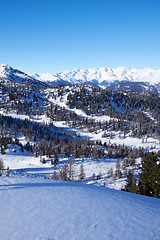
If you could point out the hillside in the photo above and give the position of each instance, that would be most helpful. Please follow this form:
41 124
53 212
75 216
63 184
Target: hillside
55 139
49 130
8 74
46 209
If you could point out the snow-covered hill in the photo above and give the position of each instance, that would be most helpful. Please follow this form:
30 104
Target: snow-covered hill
48 209
8 74
115 78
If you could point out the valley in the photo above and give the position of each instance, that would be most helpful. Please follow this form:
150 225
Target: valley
104 131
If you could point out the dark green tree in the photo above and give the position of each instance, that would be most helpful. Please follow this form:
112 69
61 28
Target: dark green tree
131 183
1 167
82 173
149 178
56 160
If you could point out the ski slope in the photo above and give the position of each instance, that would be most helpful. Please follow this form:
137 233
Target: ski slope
37 209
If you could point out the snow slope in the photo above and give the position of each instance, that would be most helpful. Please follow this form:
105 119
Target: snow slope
46 209
7 73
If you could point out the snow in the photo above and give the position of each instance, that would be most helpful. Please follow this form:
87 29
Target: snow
8 73
46 209
24 164
127 140
34 208
97 76
33 167
149 116
62 102
103 74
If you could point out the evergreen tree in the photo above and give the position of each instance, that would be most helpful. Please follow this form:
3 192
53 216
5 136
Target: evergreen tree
82 173
52 162
1 167
56 160
71 171
149 178
130 183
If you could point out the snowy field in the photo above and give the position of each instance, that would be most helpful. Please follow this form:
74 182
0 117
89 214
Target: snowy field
37 209
24 164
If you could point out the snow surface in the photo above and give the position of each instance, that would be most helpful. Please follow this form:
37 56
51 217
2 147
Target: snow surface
24 164
37 209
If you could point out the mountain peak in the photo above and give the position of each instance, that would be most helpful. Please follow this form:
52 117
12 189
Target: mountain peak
146 79
7 73
5 67
104 76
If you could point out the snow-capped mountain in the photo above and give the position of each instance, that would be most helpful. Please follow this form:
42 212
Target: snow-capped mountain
7 73
103 76
121 78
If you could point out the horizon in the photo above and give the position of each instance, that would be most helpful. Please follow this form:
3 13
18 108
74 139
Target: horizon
69 70
50 36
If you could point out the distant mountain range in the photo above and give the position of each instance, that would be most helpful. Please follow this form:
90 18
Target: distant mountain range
121 78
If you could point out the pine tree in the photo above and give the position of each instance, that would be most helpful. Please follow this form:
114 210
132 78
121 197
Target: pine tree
130 183
71 171
56 160
82 173
52 162
149 179
1 167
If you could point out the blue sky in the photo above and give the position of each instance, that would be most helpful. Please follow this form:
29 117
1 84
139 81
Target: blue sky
57 35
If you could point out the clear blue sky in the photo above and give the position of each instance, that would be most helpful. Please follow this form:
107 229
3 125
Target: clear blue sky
56 35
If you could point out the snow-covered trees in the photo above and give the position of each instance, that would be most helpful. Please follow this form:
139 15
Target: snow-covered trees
68 172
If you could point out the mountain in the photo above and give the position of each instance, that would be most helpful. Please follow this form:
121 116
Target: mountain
76 133
8 74
121 78
48 209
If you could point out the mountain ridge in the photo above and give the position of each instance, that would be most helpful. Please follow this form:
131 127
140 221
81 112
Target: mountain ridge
121 78
103 74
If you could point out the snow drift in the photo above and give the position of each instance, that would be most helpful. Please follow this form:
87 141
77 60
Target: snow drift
47 209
